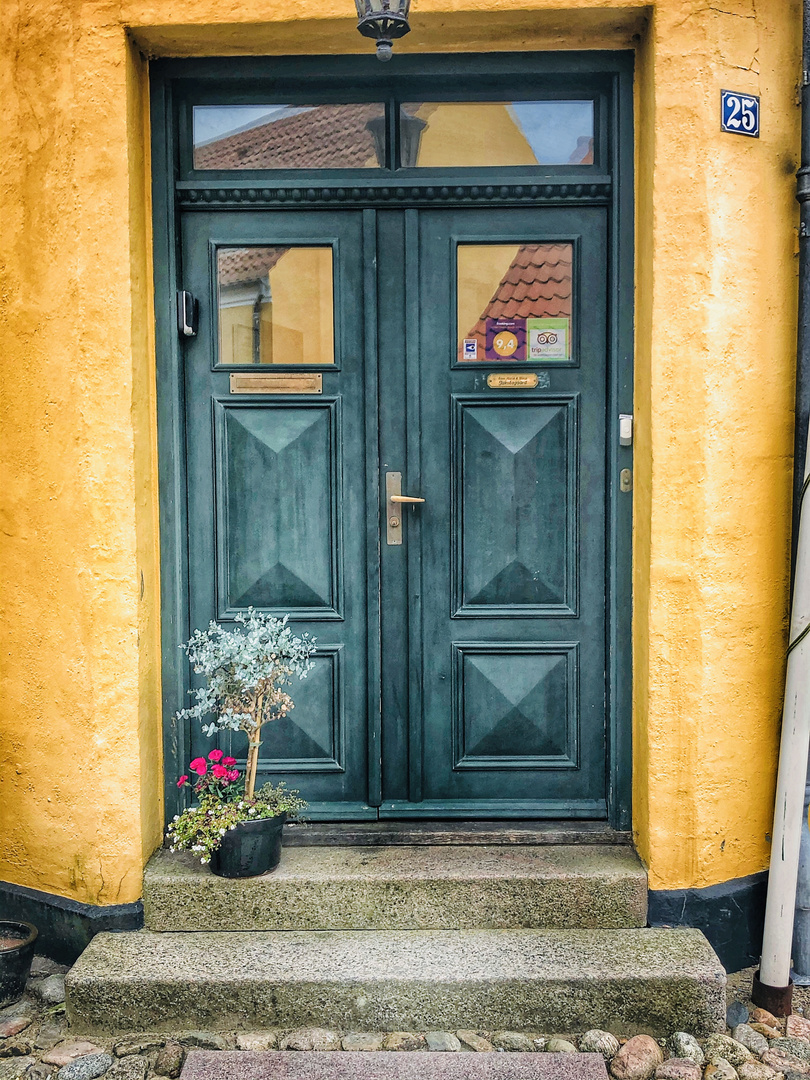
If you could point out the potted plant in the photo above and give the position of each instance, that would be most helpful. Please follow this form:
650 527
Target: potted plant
234 827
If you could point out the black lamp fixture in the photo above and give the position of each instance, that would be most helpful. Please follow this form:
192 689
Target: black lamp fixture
383 20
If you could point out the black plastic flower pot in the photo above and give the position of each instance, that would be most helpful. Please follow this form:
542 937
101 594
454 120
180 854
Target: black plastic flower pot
251 849
17 941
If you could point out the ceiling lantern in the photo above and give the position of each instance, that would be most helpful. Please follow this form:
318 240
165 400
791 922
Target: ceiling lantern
383 20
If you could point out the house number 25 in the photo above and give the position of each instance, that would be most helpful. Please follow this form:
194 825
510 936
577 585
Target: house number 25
739 113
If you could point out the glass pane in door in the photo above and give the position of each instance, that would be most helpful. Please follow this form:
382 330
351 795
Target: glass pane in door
275 305
514 302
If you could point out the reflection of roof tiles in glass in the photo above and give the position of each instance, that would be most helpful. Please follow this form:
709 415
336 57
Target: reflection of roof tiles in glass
536 285
244 266
323 137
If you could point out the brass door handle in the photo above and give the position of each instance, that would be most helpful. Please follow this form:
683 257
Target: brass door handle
393 523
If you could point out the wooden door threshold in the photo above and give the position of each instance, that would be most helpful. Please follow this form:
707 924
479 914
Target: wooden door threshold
403 833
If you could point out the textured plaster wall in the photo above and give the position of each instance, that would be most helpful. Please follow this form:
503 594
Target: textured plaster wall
80 787
80 780
716 324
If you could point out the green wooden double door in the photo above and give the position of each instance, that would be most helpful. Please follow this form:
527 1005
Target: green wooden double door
452 355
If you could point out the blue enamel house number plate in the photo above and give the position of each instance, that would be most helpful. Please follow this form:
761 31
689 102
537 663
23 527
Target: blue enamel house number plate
739 113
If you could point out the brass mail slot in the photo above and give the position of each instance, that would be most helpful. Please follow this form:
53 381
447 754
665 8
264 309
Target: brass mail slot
275 382
511 380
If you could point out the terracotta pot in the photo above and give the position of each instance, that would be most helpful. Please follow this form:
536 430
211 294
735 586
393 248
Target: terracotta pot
16 953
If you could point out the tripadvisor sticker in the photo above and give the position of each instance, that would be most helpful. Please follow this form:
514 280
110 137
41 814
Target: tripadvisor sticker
548 339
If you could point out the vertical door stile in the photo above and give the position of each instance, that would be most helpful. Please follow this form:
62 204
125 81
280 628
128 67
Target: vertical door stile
370 350
620 505
413 423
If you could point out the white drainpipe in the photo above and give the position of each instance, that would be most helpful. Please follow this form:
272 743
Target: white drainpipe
773 988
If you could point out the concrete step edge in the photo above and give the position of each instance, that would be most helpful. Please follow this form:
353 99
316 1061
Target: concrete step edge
405 888
541 980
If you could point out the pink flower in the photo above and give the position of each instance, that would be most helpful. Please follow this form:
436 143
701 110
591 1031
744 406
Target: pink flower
182 780
199 766
215 755
233 774
229 761
219 771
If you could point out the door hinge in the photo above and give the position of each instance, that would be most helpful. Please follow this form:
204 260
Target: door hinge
188 314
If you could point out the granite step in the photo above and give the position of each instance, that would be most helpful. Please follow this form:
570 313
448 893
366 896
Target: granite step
274 1065
405 888
627 981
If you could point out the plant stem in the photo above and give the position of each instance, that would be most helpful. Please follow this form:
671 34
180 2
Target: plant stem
253 750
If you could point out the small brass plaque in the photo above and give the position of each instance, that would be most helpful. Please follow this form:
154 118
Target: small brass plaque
512 380
275 382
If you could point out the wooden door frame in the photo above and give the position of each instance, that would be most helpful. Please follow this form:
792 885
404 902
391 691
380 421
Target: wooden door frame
609 182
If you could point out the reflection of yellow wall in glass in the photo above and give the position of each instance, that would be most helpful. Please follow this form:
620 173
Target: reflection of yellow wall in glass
303 323
236 334
481 133
295 313
481 268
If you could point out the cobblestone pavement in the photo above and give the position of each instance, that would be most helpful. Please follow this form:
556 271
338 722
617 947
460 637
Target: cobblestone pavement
36 1043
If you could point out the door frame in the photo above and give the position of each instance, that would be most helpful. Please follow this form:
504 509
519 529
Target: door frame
610 184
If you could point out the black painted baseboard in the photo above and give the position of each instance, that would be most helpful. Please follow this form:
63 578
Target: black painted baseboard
731 915
65 926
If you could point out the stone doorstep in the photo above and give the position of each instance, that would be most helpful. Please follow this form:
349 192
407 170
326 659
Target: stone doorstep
405 888
280 1065
652 980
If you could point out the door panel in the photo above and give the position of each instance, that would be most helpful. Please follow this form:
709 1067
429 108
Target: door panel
506 568
280 506
516 472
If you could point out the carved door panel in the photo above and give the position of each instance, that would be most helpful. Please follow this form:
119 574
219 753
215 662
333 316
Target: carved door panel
277 427
505 403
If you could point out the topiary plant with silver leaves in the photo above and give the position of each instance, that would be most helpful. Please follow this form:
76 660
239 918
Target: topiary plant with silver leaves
246 672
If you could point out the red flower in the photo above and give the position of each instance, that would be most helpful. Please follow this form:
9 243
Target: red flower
215 755
233 774
199 766
219 771
229 762
182 780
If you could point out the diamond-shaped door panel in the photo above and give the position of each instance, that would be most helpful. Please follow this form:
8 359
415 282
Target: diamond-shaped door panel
515 520
277 515
309 739
515 705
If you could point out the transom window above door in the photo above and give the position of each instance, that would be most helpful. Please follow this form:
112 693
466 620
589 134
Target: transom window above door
396 135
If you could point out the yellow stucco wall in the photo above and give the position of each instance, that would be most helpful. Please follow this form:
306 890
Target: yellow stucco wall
80 790
716 324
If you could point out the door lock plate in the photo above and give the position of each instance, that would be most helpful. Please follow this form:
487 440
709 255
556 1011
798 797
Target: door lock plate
625 480
393 521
